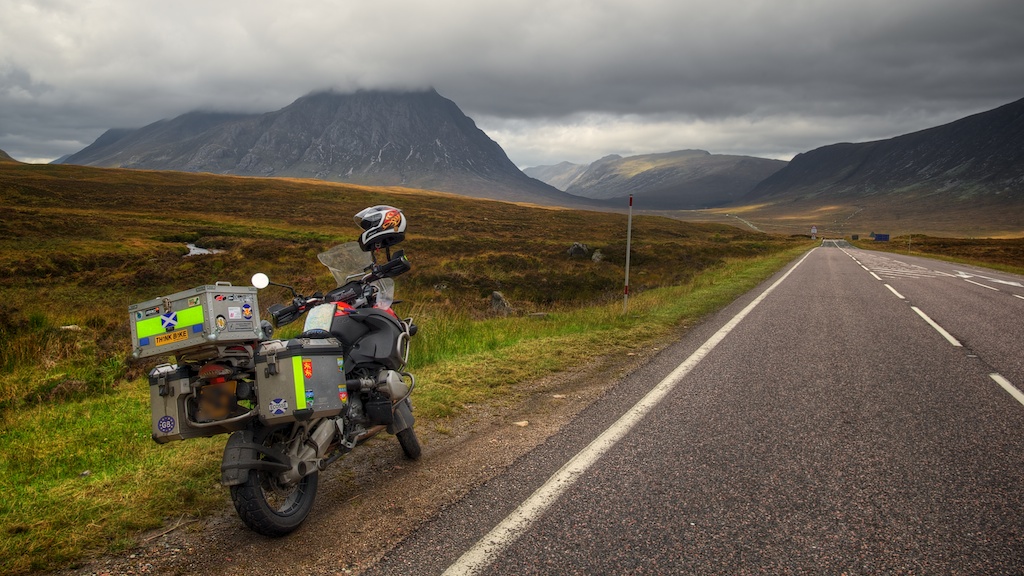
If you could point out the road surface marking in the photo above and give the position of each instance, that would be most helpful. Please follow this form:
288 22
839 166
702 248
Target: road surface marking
1018 296
891 268
938 328
1017 395
873 274
980 284
893 290
965 276
508 530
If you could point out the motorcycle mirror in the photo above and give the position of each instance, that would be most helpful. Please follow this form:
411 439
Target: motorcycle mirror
260 280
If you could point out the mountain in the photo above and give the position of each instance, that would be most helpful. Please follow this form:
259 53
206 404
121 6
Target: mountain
378 138
165 145
977 159
6 159
681 180
561 175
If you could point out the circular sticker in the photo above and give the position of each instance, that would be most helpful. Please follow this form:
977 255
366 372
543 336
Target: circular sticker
221 322
246 311
165 425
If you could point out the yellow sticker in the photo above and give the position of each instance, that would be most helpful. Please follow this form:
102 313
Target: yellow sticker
172 337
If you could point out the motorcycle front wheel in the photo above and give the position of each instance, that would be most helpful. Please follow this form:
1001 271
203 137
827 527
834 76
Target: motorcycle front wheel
410 444
268 507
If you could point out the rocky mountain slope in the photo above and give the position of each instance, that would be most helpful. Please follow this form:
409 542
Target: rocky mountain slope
685 179
383 138
4 157
974 159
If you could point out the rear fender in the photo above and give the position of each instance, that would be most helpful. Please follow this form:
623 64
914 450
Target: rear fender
242 454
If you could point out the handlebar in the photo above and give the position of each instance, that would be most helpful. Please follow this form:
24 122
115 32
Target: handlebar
283 315
395 267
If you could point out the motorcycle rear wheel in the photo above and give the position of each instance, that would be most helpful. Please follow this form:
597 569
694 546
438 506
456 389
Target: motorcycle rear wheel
269 508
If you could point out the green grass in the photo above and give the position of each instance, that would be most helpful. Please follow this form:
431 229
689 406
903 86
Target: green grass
84 476
78 245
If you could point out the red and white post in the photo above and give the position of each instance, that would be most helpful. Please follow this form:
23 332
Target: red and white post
629 240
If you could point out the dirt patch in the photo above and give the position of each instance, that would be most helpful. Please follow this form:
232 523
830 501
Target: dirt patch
374 498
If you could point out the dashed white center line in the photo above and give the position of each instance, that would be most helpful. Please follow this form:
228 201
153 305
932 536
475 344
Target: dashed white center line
949 337
893 290
873 274
1017 395
980 284
1018 296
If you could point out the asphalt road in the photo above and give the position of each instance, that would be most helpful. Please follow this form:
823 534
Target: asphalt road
859 417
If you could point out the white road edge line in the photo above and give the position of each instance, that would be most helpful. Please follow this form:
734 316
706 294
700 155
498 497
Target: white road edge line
873 274
1018 296
938 328
1017 395
508 530
893 290
980 284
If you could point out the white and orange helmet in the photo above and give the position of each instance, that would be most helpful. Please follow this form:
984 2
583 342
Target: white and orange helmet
383 227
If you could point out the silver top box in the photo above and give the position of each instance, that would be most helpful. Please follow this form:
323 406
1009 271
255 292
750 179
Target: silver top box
202 317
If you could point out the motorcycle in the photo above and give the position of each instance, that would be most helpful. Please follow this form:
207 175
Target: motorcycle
293 407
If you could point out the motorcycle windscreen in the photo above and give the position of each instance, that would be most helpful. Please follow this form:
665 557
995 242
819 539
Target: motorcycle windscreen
346 261
385 293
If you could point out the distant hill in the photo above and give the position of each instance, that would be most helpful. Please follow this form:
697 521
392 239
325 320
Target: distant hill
976 159
685 179
561 175
381 138
7 159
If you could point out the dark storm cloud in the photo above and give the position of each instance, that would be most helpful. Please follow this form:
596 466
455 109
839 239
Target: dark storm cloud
549 80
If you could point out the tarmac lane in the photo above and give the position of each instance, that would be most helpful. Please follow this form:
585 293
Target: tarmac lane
819 425
982 309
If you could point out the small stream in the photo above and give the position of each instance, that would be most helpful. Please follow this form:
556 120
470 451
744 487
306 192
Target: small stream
194 250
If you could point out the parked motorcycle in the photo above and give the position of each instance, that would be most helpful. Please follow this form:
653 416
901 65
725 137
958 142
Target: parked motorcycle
292 407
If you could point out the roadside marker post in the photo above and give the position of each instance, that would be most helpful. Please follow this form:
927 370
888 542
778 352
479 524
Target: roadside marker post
629 239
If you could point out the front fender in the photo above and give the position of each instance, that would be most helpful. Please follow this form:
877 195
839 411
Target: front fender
403 417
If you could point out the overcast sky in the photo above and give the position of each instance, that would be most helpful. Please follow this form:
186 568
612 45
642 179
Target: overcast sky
548 80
